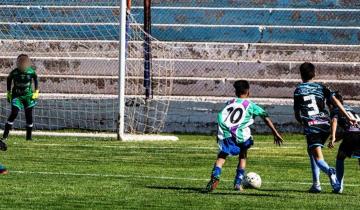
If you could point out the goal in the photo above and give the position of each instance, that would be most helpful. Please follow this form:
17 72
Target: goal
94 62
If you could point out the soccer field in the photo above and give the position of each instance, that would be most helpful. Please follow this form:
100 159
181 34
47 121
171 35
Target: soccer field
71 173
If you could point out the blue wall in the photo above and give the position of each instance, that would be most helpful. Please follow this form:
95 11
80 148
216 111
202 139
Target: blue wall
192 24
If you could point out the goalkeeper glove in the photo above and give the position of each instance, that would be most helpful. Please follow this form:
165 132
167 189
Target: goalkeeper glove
35 95
9 96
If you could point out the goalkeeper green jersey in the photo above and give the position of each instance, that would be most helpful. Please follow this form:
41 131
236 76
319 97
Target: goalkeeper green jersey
22 82
235 119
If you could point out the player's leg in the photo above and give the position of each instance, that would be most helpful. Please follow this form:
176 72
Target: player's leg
9 124
29 123
340 158
226 147
216 173
316 142
322 164
349 147
315 170
29 104
240 171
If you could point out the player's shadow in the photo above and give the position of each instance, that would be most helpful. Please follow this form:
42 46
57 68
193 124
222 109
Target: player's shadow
193 189
201 190
300 191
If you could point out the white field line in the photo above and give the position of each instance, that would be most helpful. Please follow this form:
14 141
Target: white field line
270 9
148 177
162 147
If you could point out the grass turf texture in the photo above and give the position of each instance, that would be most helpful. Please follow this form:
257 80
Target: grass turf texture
70 173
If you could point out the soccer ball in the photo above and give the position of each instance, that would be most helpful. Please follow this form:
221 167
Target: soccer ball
252 180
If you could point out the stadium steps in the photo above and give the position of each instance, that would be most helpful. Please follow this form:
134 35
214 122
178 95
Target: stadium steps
200 69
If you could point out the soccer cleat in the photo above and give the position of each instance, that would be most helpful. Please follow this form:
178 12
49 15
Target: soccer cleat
333 180
238 184
238 187
339 191
213 183
3 146
315 189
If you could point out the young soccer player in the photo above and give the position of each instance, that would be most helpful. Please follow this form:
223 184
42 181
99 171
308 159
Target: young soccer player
21 95
309 108
234 135
350 135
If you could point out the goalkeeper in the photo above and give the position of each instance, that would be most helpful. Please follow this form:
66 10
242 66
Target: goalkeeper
22 96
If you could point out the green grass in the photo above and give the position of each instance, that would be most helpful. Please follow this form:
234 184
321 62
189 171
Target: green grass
70 173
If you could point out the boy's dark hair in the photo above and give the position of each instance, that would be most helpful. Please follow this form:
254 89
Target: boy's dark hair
307 71
241 87
21 56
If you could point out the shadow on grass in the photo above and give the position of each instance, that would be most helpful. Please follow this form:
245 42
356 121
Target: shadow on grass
201 191
301 191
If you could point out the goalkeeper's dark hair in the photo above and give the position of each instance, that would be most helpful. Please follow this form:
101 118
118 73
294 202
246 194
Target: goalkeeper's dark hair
307 71
21 56
241 87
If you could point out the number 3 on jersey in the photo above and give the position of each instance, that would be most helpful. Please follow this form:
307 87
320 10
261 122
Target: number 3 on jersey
233 114
314 109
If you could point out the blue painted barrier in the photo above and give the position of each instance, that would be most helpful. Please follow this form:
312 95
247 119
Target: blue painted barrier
195 25
186 16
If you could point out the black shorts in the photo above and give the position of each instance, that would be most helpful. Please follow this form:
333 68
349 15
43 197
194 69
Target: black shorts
350 145
317 139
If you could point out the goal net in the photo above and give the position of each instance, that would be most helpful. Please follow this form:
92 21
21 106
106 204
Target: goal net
74 47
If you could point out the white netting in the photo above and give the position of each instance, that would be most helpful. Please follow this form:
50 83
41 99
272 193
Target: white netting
74 48
147 115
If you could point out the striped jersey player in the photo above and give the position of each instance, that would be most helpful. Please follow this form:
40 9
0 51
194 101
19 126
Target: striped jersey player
234 134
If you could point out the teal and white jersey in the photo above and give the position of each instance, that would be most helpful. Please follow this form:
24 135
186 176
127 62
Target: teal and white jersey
235 118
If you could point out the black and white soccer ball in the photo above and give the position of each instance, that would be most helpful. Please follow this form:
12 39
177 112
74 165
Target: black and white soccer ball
252 180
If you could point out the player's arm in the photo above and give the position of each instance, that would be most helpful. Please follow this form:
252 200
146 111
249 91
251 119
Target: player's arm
36 86
334 124
8 87
258 111
330 95
343 110
278 140
297 111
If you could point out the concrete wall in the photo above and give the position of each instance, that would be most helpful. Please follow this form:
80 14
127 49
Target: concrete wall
184 116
